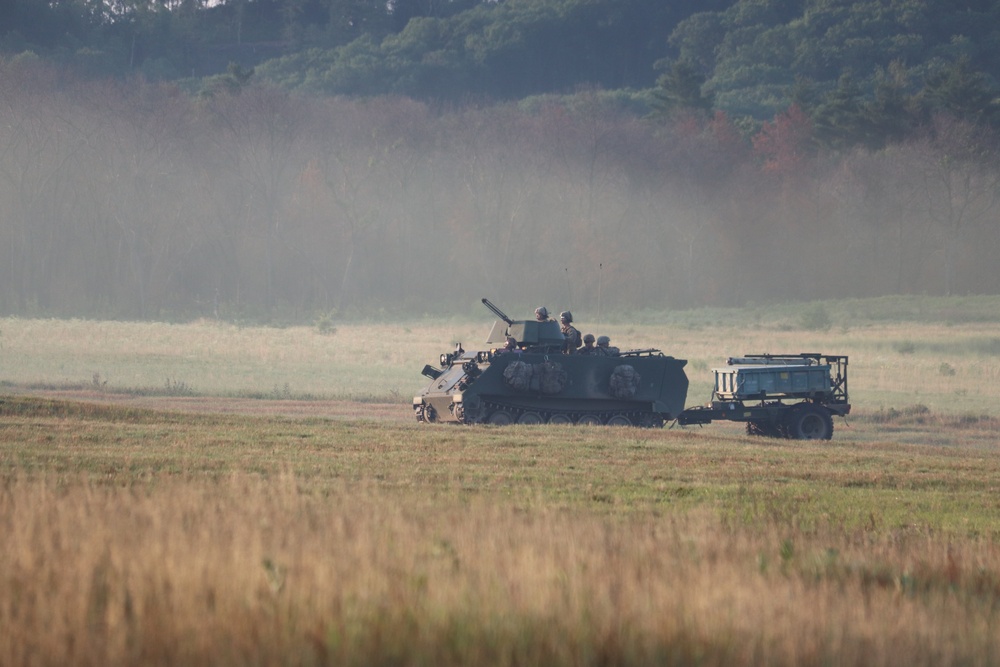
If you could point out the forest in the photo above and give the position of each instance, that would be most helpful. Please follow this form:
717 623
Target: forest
270 161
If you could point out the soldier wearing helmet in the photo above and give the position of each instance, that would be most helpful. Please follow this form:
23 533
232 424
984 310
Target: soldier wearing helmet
588 345
542 314
570 332
604 347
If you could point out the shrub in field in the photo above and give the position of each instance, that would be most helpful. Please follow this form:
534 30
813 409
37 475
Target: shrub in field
815 318
324 324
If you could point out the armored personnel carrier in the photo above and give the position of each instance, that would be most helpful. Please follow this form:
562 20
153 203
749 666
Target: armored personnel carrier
531 381
523 377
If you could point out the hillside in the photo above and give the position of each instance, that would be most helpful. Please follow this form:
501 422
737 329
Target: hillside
752 57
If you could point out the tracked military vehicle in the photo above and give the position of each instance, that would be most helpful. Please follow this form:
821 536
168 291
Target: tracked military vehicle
533 382
524 377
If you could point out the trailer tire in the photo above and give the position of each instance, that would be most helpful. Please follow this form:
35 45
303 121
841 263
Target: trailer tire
809 422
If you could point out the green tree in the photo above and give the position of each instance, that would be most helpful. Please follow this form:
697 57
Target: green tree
961 91
892 114
681 88
839 120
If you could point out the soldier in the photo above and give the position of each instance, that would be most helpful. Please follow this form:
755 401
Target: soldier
588 345
509 346
604 347
571 333
542 314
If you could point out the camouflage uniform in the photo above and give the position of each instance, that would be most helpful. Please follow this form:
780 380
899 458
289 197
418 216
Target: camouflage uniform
570 332
605 349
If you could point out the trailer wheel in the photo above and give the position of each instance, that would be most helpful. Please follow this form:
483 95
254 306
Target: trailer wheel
809 422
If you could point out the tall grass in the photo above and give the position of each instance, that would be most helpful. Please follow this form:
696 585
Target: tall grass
247 569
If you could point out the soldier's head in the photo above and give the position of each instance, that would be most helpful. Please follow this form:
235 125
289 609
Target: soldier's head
541 313
511 343
603 341
565 317
588 340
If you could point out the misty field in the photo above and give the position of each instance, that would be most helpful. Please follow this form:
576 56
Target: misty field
940 353
145 523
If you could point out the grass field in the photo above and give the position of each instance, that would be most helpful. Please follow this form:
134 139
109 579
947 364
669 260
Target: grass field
215 494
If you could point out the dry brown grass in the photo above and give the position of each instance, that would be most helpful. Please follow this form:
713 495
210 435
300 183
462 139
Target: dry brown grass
251 570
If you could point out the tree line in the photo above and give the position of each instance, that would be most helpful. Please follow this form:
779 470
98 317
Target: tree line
135 199
421 48
751 58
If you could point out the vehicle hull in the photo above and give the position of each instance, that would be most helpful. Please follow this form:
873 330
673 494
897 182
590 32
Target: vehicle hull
644 389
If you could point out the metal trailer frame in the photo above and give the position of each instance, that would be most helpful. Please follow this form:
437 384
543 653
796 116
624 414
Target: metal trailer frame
769 413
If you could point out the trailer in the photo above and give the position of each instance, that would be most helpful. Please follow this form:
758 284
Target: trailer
785 395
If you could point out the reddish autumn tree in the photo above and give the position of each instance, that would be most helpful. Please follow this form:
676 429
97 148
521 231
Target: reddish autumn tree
784 144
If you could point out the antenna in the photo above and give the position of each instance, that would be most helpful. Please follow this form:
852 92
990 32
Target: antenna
569 288
600 281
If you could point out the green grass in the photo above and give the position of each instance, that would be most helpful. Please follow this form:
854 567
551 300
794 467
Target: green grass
945 488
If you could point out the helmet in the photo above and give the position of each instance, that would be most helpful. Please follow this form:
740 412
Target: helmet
541 312
566 316
589 338
603 341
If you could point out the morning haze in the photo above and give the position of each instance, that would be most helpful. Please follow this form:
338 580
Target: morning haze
244 196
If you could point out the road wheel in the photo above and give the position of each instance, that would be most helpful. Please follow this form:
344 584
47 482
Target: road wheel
589 420
559 418
619 420
809 422
500 418
530 418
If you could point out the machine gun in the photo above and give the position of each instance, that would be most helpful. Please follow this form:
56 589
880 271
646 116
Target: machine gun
640 353
496 311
